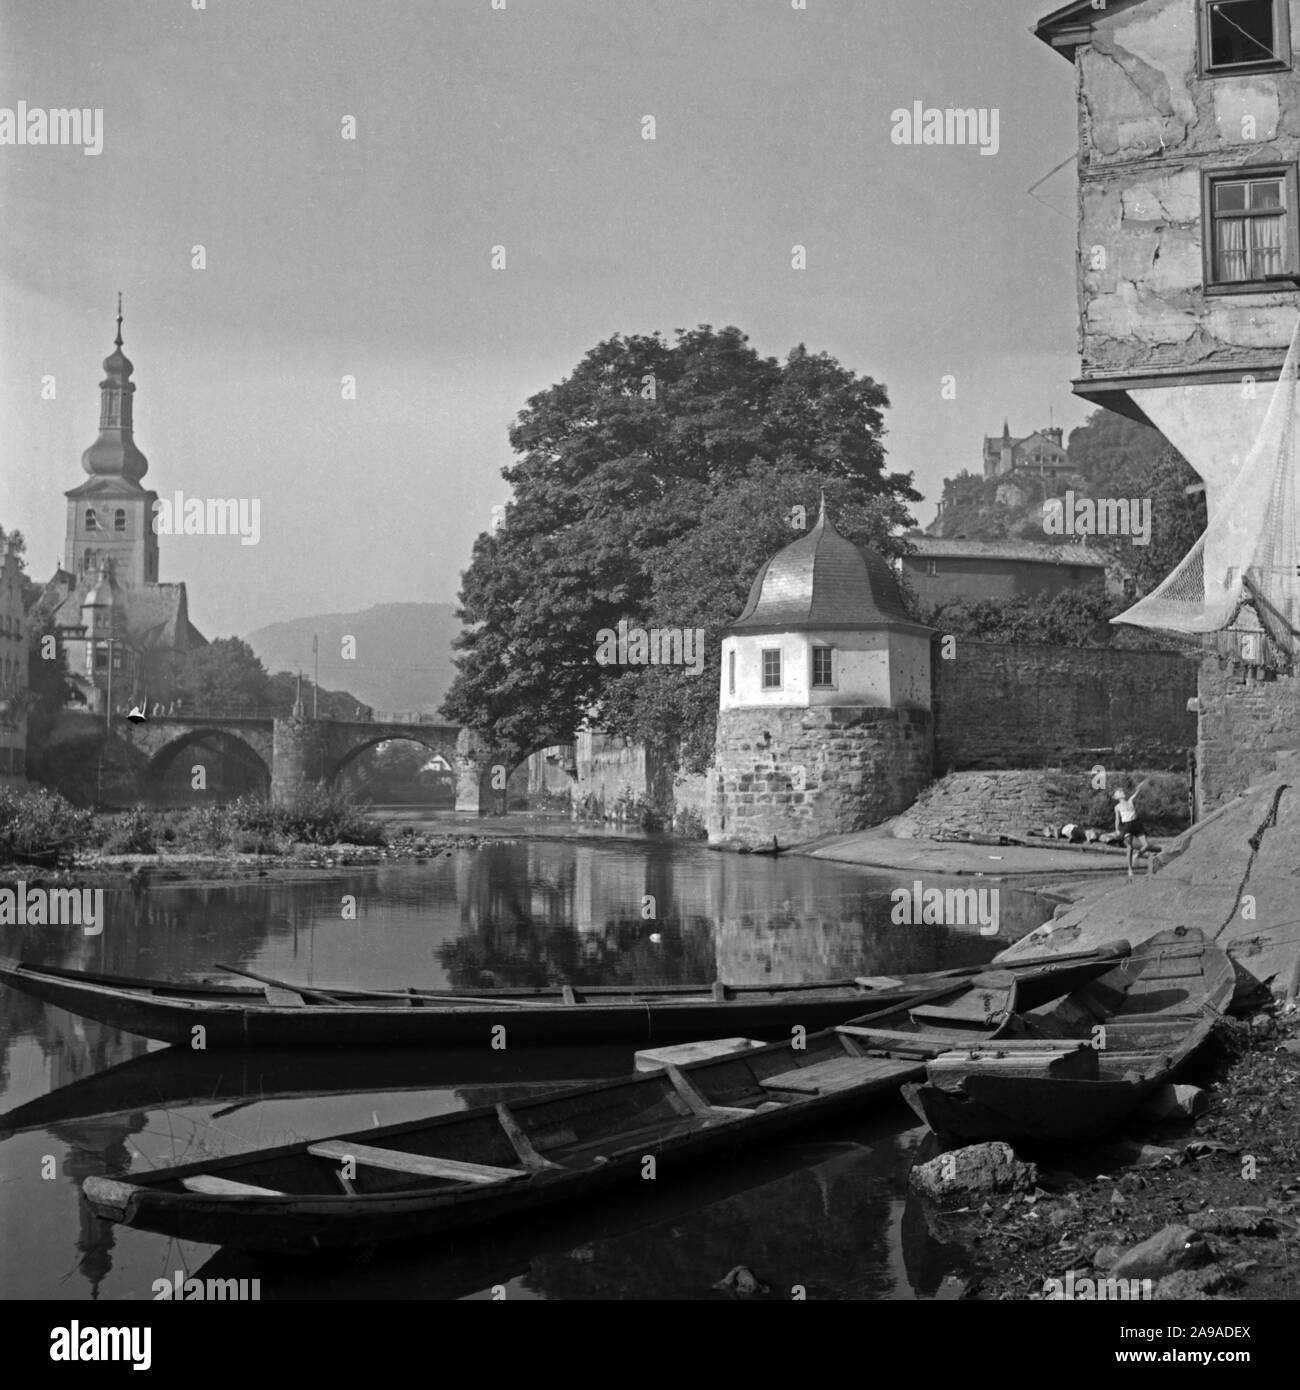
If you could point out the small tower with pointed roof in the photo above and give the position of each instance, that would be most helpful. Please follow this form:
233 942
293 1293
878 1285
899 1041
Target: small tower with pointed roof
824 722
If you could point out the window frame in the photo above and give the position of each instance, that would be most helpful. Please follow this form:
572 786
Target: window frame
813 682
1210 179
764 653
119 521
731 672
90 522
1281 42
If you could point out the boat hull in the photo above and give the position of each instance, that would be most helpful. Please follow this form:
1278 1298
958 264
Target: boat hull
207 1019
303 1227
1148 1019
440 1174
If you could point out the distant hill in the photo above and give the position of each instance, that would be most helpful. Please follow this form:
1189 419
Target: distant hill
403 653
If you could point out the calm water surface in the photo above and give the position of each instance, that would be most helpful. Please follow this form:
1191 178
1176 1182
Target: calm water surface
825 1210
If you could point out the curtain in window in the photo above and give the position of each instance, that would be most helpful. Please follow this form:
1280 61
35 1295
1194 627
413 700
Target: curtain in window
1266 246
1232 249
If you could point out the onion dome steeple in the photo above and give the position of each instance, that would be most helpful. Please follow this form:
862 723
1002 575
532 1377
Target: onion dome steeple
114 453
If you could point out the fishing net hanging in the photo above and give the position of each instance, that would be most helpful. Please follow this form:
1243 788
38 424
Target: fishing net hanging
1248 557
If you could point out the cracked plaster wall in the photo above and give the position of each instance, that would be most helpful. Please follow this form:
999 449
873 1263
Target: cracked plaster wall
1149 126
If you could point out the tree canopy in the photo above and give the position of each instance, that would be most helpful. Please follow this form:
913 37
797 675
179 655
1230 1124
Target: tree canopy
650 486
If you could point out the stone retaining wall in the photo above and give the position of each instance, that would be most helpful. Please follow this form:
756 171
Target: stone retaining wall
992 803
1008 706
1245 724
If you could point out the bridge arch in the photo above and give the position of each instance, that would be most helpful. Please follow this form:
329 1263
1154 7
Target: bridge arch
435 740
163 756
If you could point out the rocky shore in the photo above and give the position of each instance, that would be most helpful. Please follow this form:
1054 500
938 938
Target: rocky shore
1200 1209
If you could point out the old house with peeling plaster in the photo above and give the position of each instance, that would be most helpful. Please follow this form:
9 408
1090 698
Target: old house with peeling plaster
1189 274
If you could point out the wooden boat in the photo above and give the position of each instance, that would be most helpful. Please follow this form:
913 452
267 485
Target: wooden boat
433 1175
271 1015
1099 1053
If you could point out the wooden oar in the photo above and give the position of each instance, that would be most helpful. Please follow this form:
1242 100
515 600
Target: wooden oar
390 993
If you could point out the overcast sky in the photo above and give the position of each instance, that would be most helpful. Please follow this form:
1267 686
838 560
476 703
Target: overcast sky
520 127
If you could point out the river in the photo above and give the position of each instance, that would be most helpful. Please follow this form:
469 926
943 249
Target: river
824 1213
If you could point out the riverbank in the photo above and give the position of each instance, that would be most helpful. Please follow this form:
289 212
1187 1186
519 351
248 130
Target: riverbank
878 849
94 869
1224 1189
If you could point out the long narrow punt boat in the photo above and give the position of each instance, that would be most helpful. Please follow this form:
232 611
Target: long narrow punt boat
1102 1051
429 1176
271 1015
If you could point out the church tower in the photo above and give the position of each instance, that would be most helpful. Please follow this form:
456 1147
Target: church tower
110 515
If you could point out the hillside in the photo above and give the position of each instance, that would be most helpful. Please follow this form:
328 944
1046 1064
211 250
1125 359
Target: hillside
403 657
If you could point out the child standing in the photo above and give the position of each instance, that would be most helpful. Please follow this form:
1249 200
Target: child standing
1128 824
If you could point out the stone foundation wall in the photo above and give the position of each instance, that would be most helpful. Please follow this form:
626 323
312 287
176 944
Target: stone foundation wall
992 803
1007 706
1245 724
802 774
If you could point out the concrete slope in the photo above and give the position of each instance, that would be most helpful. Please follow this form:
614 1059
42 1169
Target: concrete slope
1235 875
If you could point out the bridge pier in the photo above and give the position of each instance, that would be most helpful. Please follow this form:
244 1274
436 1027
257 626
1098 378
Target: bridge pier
298 749
474 765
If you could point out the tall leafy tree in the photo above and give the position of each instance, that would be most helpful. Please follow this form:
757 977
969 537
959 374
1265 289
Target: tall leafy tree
650 485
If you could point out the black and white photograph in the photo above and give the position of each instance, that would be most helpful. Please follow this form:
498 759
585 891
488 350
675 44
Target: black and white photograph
650 652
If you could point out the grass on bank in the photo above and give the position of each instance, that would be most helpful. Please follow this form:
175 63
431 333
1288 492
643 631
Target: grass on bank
37 821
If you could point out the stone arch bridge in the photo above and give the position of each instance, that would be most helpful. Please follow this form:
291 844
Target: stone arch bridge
301 752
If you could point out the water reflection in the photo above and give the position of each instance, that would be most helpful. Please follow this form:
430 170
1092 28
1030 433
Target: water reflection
824 1215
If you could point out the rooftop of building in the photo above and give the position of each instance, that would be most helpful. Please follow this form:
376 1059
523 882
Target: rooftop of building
960 548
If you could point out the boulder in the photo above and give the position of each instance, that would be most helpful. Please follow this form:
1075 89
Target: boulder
978 1169
1234 1221
1171 1249
1177 1103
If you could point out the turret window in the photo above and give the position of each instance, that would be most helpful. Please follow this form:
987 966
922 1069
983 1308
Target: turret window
119 520
772 669
823 667
731 673
92 521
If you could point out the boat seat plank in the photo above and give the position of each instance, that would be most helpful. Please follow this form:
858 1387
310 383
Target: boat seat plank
423 1165
968 1011
211 1186
284 998
838 1074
